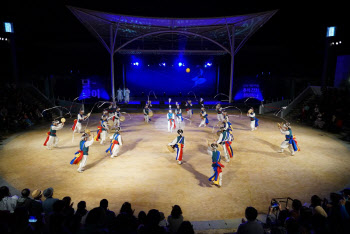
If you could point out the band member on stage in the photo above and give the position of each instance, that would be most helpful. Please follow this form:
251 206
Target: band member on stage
120 95
116 118
204 116
251 115
77 122
53 138
189 109
179 118
83 152
116 142
289 142
219 112
225 139
102 131
216 178
171 121
146 111
179 144
126 95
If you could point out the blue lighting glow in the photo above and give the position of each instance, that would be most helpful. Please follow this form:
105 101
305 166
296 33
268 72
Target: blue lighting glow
249 90
8 27
331 31
92 89
181 64
208 64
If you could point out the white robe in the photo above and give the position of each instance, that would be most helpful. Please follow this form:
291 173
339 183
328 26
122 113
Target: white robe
84 159
53 140
116 147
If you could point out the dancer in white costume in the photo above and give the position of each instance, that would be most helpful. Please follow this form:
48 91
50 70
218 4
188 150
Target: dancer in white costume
126 95
171 121
102 130
204 116
84 146
116 143
251 115
120 95
146 111
179 118
289 142
116 118
189 108
220 116
225 139
80 118
53 138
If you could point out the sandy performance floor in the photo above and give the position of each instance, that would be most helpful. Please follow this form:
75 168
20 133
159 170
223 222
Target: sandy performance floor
147 175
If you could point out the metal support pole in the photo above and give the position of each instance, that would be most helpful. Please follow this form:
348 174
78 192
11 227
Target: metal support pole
112 61
232 62
123 76
218 80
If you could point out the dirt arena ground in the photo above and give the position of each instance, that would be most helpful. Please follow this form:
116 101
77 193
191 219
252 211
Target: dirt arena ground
147 175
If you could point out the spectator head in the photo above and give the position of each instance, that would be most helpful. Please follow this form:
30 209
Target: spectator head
153 218
186 228
96 216
81 205
37 194
315 201
346 193
4 192
162 216
104 204
251 213
335 198
48 193
142 217
58 206
126 208
67 201
176 212
25 192
296 204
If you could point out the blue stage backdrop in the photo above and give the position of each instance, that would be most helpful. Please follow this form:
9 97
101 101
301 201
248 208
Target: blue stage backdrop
171 78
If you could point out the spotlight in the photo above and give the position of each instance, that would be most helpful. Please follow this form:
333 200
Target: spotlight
180 64
163 64
209 64
137 63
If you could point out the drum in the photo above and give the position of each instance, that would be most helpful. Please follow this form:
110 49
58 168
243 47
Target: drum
63 120
171 148
150 113
122 118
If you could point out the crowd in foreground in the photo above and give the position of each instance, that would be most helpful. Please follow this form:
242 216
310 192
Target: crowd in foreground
51 215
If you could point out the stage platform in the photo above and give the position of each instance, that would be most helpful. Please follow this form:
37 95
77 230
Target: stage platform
148 176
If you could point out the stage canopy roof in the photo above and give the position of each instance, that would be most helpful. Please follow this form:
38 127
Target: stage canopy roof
149 35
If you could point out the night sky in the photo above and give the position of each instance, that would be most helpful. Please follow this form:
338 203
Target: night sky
50 39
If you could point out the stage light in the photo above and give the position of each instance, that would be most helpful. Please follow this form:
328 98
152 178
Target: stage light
331 31
180 64
209 64
205 65
163 64
137 63
188 70
336 43
9 27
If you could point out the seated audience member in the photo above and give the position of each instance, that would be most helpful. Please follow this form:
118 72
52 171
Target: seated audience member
141 219
152 224
7 203
36 208
317 209
163 222
185 228
126 222
175 218
49 201
24 200
110 215
251 226
95 222
20 221
79 217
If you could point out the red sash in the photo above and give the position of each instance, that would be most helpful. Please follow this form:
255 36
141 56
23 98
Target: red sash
75 124
114 142
47 138
98 133
173 120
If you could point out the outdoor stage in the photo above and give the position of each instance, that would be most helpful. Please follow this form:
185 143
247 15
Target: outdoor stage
148 176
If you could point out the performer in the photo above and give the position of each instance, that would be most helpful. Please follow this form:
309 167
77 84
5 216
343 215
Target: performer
83 152
116 118
116 142
251 114
289 142
217 166
189 108
204 116
224 114
52 137
104 113
120 95
179 118
77 122
225 139
201 102
102 131
219 112
126 95
171 121
146 111
179 144
227 124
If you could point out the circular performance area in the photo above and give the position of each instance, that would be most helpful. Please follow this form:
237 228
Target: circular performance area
147 175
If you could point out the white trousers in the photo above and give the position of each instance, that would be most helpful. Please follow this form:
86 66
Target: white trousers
179 122
220 117
285 144
120 98
117 122
252 125
189 113
170 125
227 157
202 123
126 99
103 137
115 150
77 127
52 141
82 163
146 118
